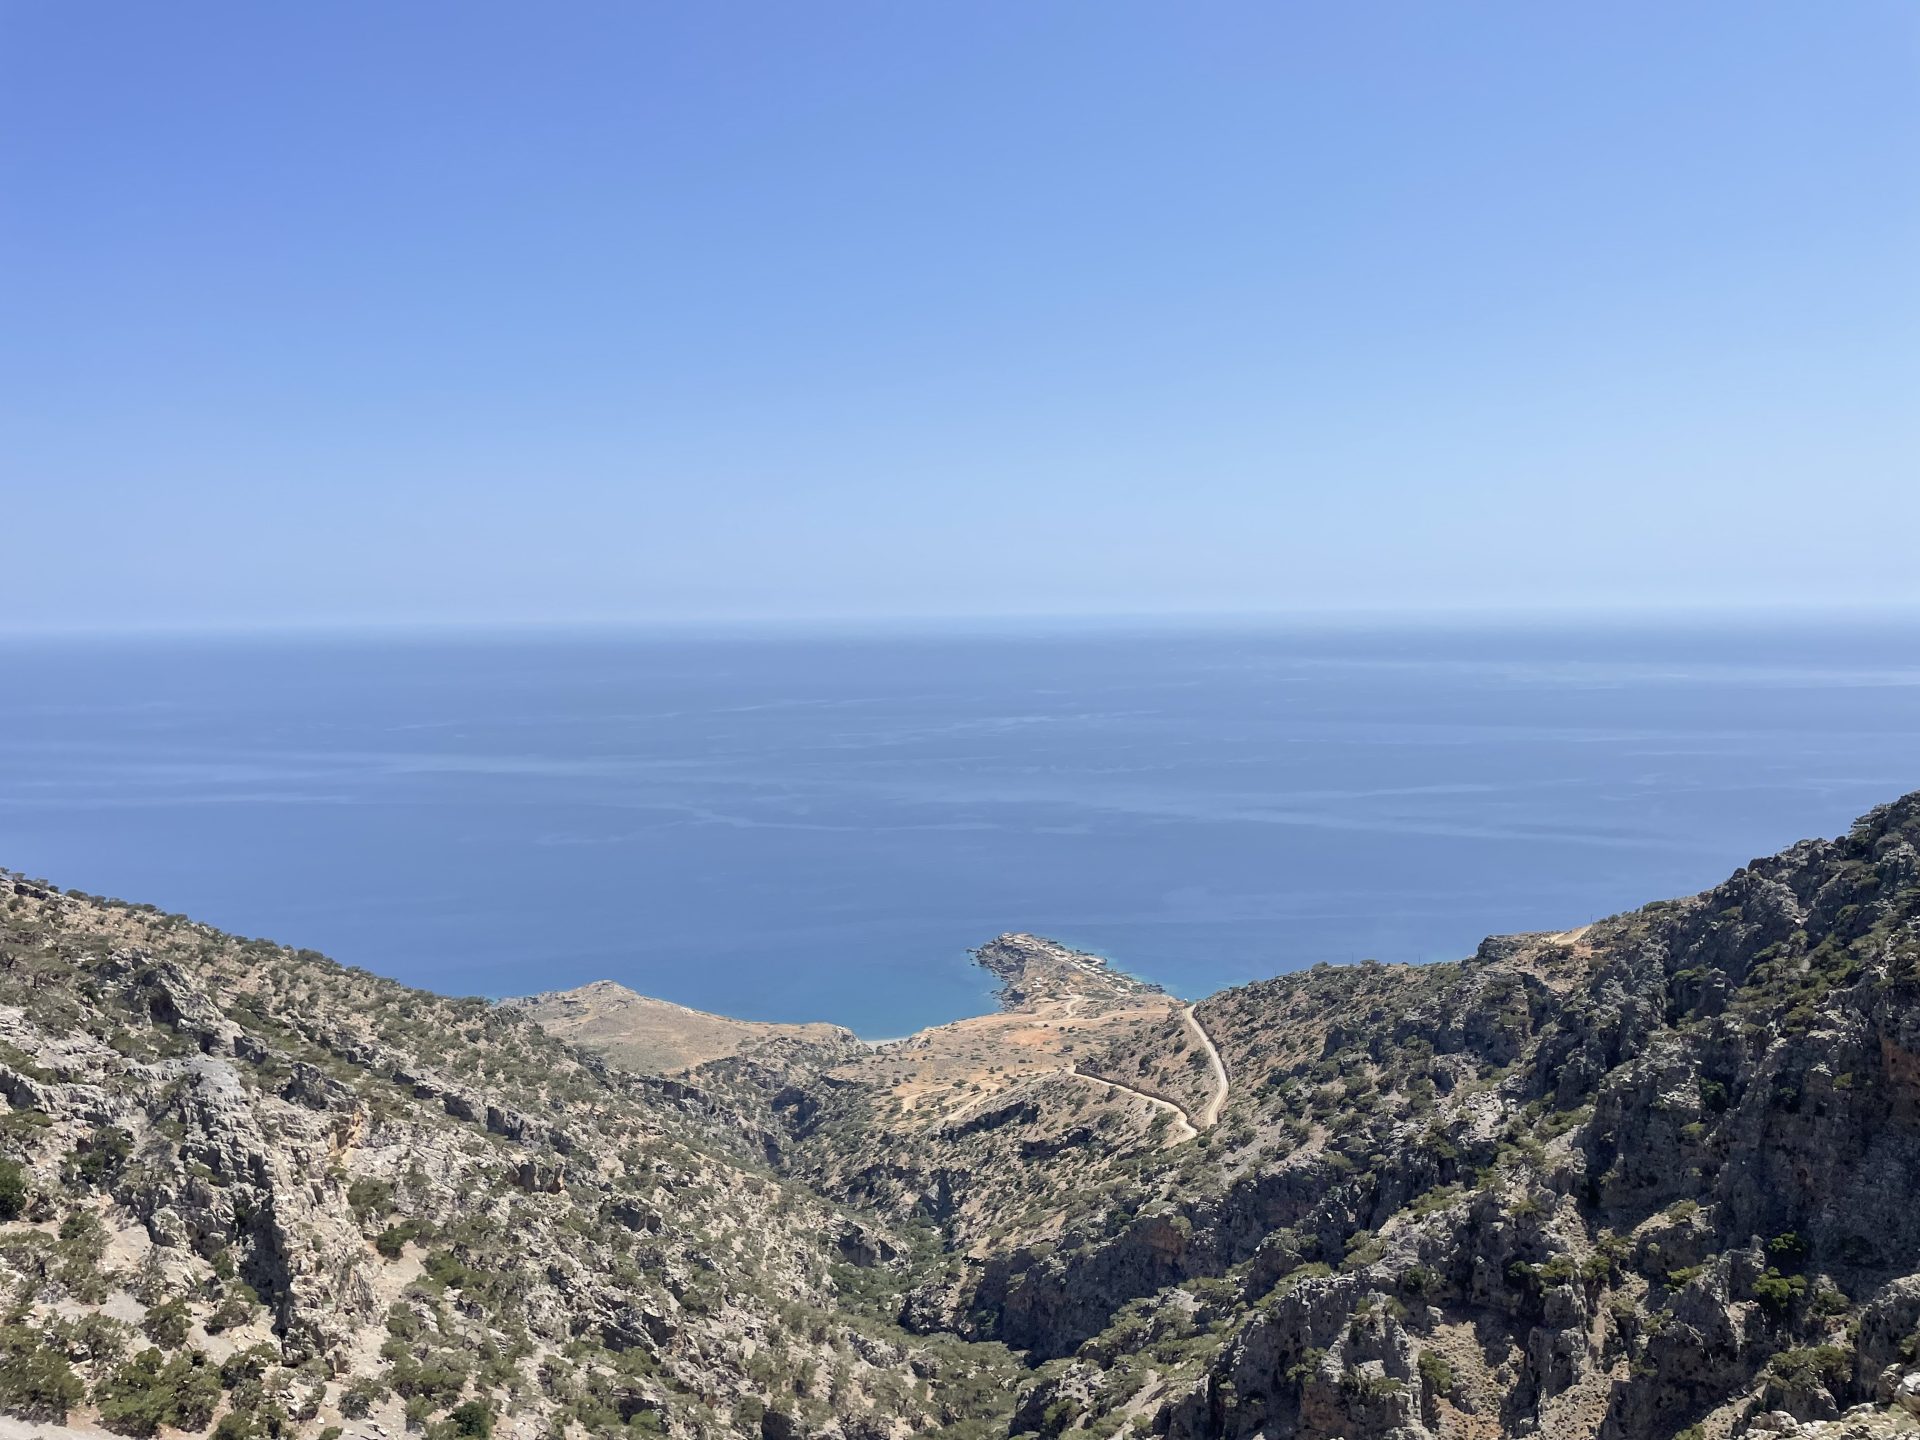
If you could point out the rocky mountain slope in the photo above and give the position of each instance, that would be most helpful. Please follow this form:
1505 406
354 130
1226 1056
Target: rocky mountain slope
1653 1178
1652 1175
245 1187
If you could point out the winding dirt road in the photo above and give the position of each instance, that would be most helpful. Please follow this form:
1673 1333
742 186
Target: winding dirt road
1186 1125
1210 1116
1182 1122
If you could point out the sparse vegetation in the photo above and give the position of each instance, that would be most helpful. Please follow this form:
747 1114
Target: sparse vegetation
317 1155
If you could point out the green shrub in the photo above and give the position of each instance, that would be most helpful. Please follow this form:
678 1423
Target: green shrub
1829 1299
369 1198
95 1339
101 1156
232 1312
1777 1292
1364 1385
1555 1270
146 1393
1812 1366
36 1382
1307 1366
1788 1249
1363 1249
471 1420
437 1380
442 1268
390 1241
1436 1372
1419 1280
166 1324
359 1398
248 1364
13 1189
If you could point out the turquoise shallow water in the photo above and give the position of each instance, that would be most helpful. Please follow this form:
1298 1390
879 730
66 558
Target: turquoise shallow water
809 826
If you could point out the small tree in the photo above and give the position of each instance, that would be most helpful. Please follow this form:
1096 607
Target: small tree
166 1324
471 1420
13 1189
36 1382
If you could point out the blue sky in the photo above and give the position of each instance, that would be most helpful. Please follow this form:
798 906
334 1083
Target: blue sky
480 312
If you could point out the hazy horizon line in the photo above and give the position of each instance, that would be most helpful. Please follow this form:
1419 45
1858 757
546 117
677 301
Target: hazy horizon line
1464 617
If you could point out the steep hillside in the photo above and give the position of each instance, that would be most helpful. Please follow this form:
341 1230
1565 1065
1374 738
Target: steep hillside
242 1185
1654 1178
1656 1174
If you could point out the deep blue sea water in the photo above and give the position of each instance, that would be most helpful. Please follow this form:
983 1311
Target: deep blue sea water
816 826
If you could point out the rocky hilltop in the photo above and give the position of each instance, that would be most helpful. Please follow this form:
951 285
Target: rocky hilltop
1655 1177
659 1037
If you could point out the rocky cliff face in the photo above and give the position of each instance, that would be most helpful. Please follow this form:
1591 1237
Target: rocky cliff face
1653 1175
1653 1178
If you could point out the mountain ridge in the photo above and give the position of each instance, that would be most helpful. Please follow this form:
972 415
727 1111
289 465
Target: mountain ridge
1646 1178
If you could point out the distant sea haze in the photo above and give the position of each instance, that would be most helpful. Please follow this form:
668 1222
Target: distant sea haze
816 826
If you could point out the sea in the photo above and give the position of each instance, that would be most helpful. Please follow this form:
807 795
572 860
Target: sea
816 824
